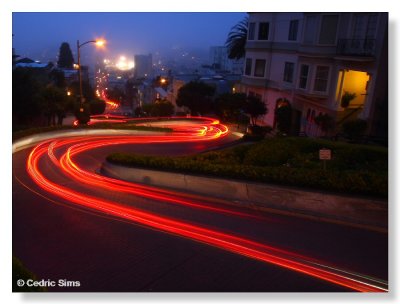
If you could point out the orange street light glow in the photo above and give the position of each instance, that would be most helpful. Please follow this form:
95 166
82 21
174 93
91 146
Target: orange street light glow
100 42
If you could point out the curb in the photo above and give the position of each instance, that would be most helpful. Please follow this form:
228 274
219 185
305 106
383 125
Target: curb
353 211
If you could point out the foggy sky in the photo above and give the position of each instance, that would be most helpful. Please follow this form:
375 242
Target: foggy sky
39 35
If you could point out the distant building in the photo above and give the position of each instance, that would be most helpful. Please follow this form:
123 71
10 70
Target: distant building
143 66
220 61
312 59
71 75
29 63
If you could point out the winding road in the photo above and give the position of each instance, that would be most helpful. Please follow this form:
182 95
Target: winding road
69 222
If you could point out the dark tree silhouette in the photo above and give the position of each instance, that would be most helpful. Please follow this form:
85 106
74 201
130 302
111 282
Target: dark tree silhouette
65 58
54 104
197 96
58 78
255 108
25 96
236 40
229 106
97 106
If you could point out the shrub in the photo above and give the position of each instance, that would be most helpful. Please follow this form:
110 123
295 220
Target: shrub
289 161
354 129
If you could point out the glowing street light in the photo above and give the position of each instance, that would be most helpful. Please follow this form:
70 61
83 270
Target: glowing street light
98 42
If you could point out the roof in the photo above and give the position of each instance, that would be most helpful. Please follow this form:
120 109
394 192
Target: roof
31 65
25 60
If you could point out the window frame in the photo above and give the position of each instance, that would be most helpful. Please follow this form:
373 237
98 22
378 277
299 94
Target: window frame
248 59
251 35
255 67
327 80
300 76
319 24
305 26
287 63
259 31
291 33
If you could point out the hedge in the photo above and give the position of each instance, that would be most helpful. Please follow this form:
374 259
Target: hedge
285 161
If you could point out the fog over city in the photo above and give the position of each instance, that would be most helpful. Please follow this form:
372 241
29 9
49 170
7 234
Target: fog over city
39 35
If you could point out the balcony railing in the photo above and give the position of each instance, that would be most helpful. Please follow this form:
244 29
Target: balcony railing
356 47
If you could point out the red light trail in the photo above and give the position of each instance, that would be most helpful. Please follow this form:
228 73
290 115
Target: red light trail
198 129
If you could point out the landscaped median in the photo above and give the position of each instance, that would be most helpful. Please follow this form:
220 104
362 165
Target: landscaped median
356 174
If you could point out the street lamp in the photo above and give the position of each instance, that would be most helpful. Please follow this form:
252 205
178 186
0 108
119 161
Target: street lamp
98 43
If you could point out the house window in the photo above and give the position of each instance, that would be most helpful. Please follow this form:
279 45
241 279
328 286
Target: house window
309 32
247 70
263 31
252 27
288 72
259 69
303 76
293 28
365 26
328 31
321 79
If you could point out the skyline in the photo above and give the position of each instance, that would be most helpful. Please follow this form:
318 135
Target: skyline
126 33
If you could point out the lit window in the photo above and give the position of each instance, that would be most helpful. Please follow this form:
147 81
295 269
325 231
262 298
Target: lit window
247 70
328 31
252 27
263 31
259 69
321 79
288 72
293 28
303 76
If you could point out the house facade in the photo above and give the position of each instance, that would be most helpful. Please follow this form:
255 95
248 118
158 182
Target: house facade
312 60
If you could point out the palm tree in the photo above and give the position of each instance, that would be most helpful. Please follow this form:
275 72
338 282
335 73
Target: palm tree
236 40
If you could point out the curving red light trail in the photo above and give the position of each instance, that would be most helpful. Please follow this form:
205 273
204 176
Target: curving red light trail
203 129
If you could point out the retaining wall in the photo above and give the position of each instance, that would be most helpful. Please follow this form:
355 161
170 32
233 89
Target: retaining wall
359 211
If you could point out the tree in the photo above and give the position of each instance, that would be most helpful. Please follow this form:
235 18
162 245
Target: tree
229 106
54 104
58 78
65 58
197 96
97 106
87 90
255 108
354 129
162 108
325 122
25 97
83 117
236 40
283 114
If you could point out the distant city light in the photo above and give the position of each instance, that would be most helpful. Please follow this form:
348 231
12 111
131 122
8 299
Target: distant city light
124 64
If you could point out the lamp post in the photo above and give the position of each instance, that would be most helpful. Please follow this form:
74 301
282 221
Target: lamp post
98 43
